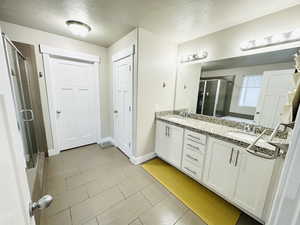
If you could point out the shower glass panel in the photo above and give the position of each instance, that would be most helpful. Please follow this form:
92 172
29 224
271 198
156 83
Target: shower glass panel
19 83
210 97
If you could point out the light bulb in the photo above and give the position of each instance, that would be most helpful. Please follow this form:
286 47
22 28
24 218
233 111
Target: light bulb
295 34
261 42
278 38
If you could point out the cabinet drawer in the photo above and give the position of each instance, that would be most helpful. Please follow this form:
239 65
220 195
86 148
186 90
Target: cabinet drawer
193 156
195 137
192 145
191 169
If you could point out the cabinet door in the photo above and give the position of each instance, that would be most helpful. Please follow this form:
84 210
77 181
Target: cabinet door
169 143
220 170
175 145
253 182
161 140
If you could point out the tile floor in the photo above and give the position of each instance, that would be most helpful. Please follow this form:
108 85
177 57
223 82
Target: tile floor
94 186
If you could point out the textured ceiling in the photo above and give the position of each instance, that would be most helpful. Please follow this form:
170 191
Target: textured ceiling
178 20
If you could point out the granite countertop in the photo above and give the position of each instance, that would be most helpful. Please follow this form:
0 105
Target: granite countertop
220 132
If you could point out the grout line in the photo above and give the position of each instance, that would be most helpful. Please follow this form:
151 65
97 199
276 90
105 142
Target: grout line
146 198
123 194
186 211
140 220
71 215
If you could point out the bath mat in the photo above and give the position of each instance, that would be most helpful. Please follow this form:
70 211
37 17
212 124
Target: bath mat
211 208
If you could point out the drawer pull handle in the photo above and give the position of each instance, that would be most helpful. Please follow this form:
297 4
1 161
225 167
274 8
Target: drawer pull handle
192 146
194 141
230 159
192 136
191 157
193 172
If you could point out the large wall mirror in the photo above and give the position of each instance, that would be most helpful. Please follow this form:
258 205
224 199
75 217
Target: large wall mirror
252 89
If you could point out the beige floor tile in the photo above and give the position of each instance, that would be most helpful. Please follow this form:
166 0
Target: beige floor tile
77 181
136 222
125 211
134 183
55 185
67 199
190 218
94 206
62 218
97 186
155 193
166 212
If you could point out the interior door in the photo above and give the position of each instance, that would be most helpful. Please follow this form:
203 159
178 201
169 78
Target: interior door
75 103
273 96
123 104
220 170
14 194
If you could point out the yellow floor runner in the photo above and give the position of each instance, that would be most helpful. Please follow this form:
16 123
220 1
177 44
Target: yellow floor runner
211 208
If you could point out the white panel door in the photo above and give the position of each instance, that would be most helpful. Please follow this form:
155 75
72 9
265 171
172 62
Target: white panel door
253 182
273 96
74 85
220 169
15 195
123 104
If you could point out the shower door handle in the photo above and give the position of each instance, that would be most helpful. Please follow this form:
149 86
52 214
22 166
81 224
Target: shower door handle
27 112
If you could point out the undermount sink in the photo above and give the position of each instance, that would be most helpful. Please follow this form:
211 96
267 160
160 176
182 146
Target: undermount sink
177 118
248 137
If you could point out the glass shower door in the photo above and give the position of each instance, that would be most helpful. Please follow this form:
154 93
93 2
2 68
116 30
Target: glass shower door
209 105
18 77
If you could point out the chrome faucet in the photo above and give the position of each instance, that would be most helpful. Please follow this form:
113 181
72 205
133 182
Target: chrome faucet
185 114
248 128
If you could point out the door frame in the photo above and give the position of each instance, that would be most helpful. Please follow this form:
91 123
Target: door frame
126 52
51 52
289 185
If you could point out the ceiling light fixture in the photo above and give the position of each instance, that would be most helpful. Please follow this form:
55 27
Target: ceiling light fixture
194 57
78 28
282 38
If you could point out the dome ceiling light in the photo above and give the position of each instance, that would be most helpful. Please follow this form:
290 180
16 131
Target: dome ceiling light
78 28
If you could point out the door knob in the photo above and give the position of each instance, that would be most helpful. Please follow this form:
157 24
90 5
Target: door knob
58 111
43 203
115 111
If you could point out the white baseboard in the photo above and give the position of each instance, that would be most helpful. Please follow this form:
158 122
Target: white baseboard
52 152
107 139
141 159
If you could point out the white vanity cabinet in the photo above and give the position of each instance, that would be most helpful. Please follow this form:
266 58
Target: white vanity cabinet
238 176
169 142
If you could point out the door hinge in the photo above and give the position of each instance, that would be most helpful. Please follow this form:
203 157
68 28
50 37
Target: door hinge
129 68
129 108
129 144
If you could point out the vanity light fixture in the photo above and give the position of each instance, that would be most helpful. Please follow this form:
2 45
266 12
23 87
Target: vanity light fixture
78 28
194 57
277 39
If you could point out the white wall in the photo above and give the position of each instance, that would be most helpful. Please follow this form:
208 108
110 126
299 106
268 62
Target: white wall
226 43
156 65
36 37
239 73
187 87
